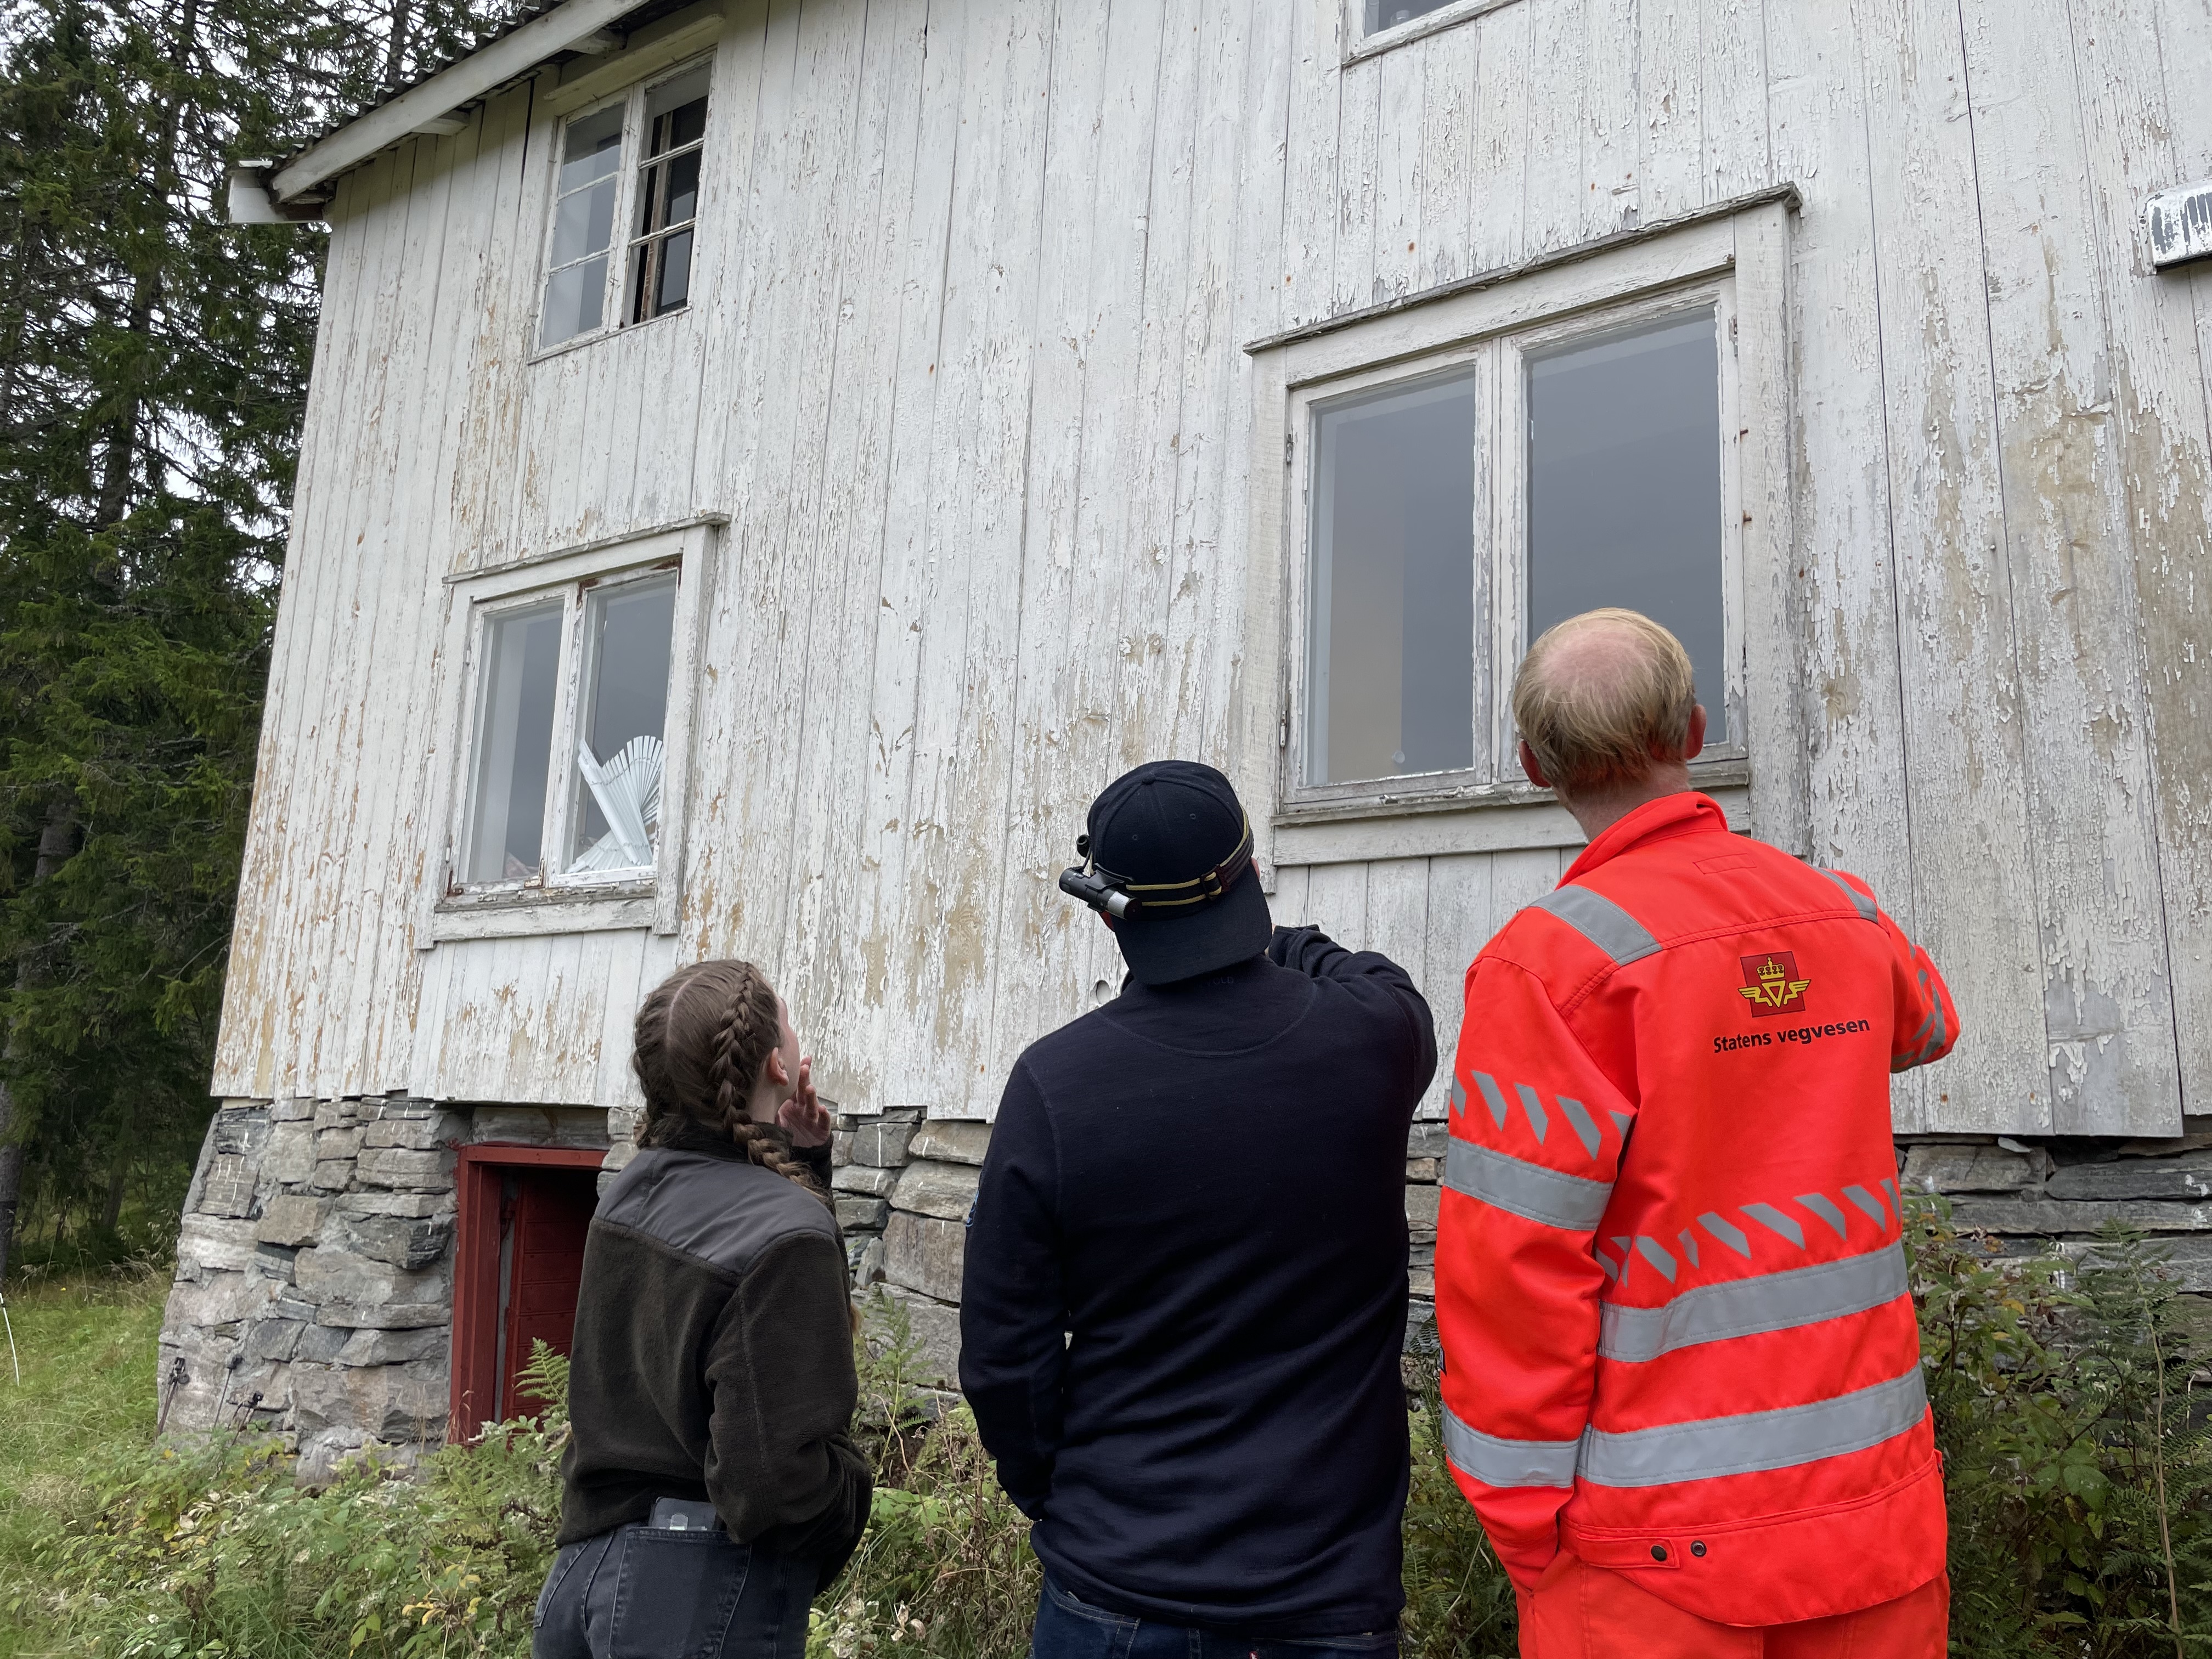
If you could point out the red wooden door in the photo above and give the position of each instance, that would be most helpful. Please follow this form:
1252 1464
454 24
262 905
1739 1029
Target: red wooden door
543 1267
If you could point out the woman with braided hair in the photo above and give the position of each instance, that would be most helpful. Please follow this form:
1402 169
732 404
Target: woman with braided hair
710 1490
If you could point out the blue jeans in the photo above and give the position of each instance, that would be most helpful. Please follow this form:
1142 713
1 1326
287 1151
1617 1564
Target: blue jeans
639 1592
1069 1628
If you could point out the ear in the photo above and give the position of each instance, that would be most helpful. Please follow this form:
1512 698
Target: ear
775 1071
1694 741
1529 764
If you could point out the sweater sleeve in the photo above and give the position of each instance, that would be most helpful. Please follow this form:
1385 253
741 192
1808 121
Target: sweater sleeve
1373 979
780 1468
1924 1023
1013 1302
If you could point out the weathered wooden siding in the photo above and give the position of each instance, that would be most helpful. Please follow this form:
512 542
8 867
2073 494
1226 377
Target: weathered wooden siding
965 376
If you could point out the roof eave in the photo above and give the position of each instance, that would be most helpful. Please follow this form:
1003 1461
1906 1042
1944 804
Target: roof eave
430 104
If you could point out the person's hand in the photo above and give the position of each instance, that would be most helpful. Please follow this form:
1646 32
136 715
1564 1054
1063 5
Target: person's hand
804 1115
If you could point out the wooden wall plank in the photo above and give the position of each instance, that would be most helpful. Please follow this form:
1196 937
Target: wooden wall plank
1974 859
1732 97
1459 925
1399 148
1670 102
1559 91
1613 116
1505 49
1445 223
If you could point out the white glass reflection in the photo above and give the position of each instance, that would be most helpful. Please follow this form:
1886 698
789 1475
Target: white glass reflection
514 745
1391 662
1625 485
615 811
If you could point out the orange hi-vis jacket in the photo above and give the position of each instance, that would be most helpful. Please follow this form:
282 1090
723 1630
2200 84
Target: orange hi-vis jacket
1670 1276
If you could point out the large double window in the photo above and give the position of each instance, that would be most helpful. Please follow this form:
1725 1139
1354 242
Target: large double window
1456 506
625 210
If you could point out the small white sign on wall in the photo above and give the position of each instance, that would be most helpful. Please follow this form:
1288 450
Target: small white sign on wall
2180 224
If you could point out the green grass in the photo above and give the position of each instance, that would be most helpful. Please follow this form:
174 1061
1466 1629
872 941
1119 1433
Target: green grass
86 1346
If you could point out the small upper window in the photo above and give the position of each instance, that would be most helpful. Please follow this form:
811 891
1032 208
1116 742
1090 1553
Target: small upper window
636 162
1455 514
1388 14
571 716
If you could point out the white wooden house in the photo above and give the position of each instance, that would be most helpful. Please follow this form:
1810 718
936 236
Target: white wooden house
768 464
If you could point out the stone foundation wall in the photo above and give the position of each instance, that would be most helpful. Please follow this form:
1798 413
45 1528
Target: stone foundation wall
314 1287
314 1279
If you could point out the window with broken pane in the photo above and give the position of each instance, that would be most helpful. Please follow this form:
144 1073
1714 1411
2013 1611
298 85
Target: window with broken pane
615 811
567 763
583 227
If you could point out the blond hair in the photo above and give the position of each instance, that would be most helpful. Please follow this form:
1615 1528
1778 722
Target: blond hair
1599 720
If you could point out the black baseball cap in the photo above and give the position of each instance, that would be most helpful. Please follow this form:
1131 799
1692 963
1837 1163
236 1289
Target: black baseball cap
1169 823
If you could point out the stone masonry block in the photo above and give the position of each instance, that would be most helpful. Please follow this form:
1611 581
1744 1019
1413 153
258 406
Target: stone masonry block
953 1142
410 1245
865 1180
292 1111
228 1189
338 1143
395 1347
415 1134
408 1171
1422 1170
347 1279
1428 1139
862 1214
2052 1216
841 1148
1421 1205
390 1402
242 1130
2184 1178
923 1254
883 1144
946 1191
933 1330
289 1158
352 1206
553 1126
864 1257
386 1315
1941 1169
214 1245
336 1114
292 1219
332 1174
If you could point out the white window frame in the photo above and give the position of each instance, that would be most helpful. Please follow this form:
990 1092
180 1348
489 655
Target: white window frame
559 901
614 305
1732 258
1359 44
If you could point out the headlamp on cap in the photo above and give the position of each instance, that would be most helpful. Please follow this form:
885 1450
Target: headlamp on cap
1116 897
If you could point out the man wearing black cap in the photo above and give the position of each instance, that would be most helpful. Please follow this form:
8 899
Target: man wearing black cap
1185 1292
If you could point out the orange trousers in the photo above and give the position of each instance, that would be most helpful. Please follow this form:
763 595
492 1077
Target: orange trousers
1582 1611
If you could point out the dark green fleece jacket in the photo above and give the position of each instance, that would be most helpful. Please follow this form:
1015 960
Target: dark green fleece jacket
713 1356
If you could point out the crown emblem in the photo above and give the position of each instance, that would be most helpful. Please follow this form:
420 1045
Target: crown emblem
1770 983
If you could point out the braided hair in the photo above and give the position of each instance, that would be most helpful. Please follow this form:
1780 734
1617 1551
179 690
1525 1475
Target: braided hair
703 1034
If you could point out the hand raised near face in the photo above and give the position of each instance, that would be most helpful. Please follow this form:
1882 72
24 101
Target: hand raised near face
804 1115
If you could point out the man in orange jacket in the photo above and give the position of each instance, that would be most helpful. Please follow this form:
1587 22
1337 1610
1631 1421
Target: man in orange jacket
1682 1374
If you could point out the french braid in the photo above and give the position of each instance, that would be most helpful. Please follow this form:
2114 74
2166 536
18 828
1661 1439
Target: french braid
702 1036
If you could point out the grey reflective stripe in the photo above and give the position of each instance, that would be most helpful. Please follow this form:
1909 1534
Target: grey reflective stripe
1585 1131
1860 902
1497 1463
1602 922
1528 1190
1756 1440
1491 1097
1869 1205
1750 1307
1538 1119
1824 1208
1767 1216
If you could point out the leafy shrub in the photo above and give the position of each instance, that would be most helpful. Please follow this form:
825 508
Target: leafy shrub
2079 1472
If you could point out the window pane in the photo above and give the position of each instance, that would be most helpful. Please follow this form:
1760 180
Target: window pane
1388 14
1392 663
514 744
592 149
1625 485
674 287
679 190
574 301
617 807
684 101
584 222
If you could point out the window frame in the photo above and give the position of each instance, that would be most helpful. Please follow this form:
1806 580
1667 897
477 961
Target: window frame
1733 256
1359 44
614 308
559 899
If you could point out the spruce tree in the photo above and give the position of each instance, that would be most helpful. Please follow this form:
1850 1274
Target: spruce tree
154 363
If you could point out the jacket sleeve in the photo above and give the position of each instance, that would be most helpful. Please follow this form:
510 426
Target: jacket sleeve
1013 1303
1538 1134
1374 980
780 1468
1925 1025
